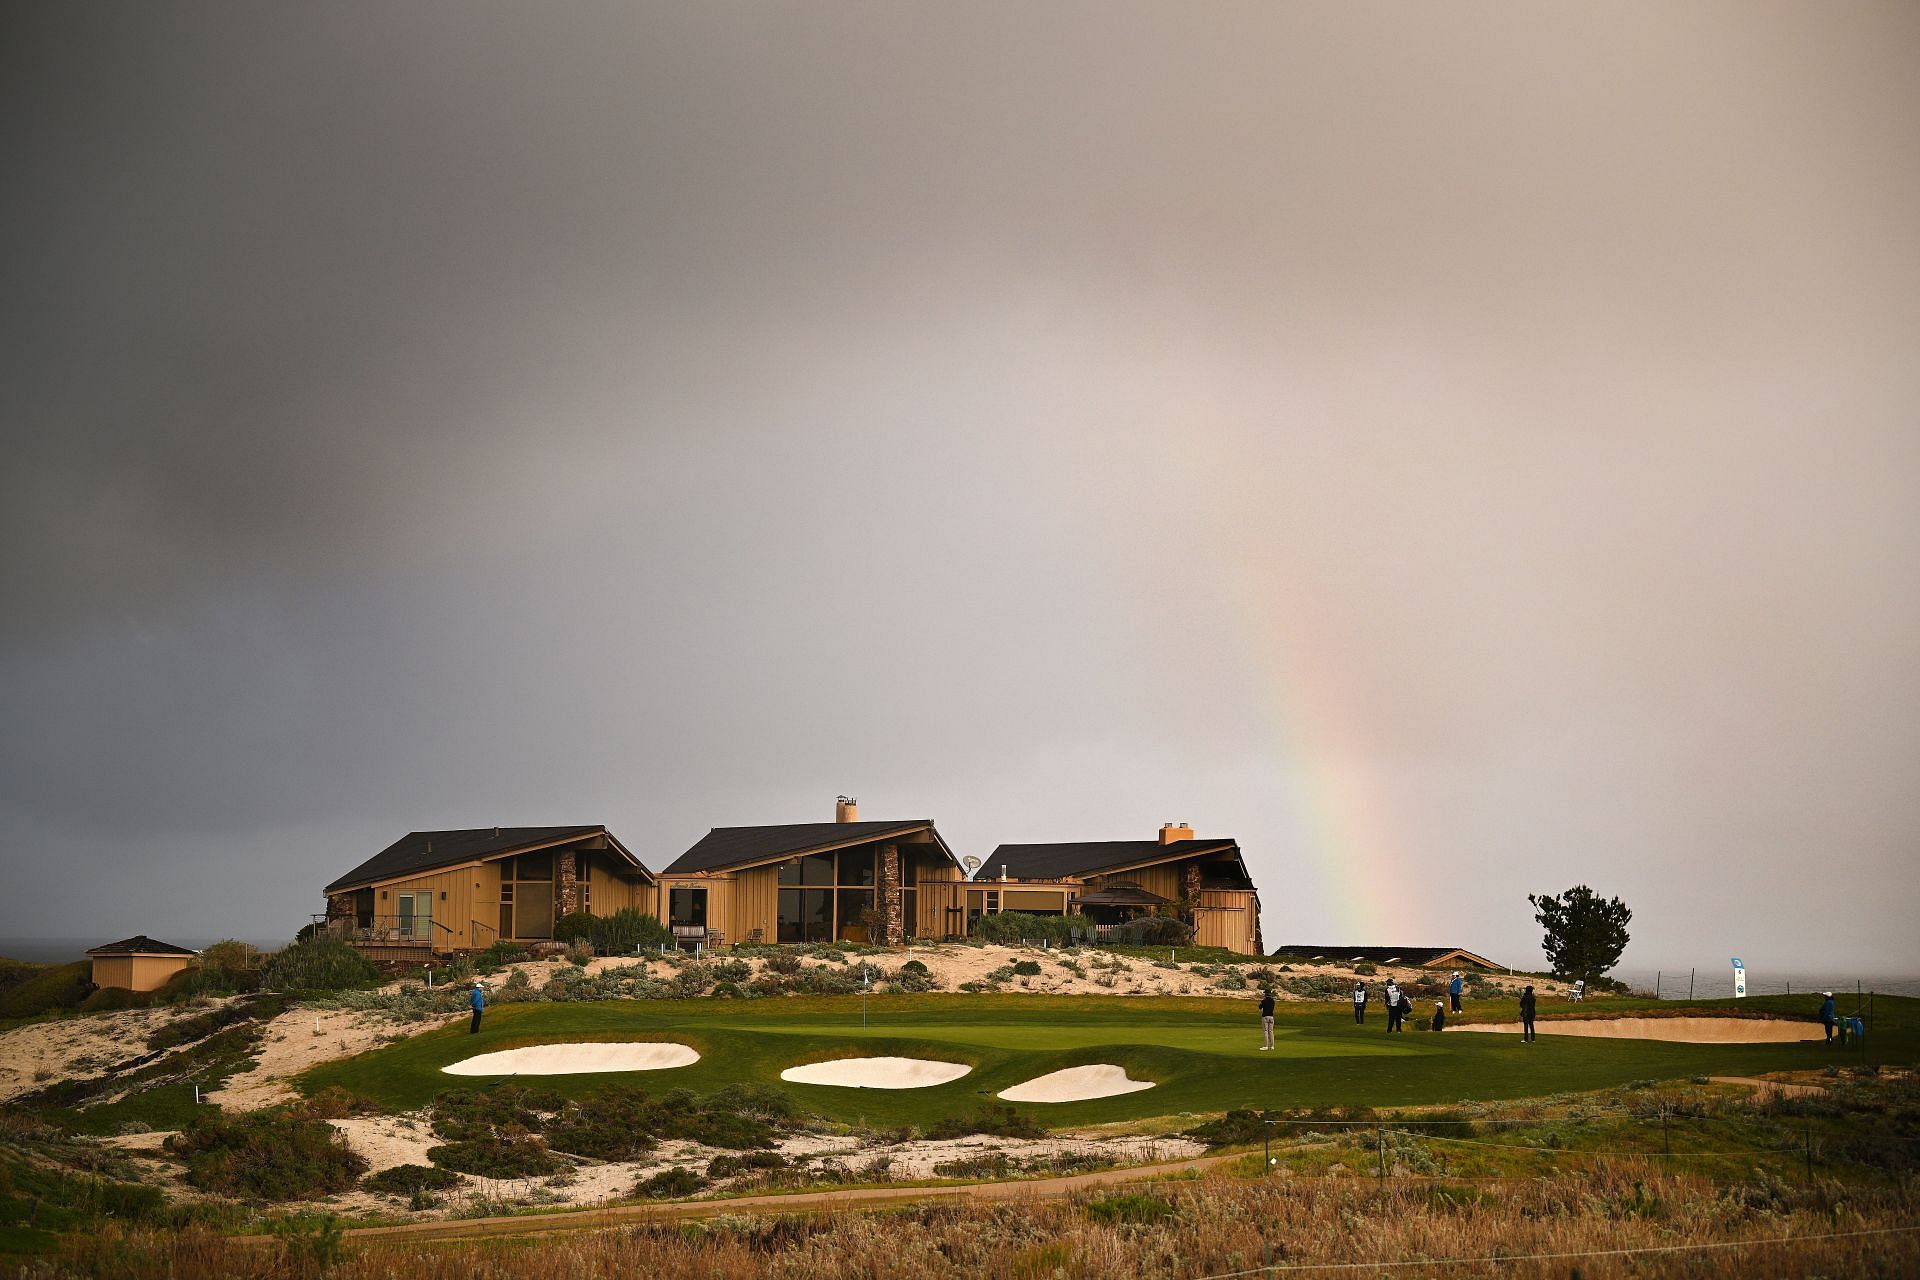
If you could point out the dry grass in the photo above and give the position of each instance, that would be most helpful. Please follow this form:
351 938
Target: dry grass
1210 1226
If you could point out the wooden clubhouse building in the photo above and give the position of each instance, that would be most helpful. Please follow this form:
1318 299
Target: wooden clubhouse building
437 892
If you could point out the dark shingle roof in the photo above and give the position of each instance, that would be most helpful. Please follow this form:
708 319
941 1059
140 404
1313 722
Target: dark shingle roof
1084 857
419 851
725 847
140 944
1414 956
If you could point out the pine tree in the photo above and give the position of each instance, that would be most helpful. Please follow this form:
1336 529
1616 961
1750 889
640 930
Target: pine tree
1585 933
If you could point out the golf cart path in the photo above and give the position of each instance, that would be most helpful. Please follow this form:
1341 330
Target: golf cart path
800 1202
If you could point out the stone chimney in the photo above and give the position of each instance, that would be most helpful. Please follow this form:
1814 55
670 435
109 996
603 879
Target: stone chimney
846 809
1171 831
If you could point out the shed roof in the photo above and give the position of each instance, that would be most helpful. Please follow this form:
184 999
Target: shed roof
419 851
1086 857
1123 895
728 848
140 945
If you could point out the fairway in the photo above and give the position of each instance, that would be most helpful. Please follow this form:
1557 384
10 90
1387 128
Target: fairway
1202 1055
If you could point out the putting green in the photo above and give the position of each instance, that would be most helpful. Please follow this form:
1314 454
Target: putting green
1202 1055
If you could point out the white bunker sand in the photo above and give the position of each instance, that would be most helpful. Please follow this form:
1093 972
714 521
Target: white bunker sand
575 1059
1076 1084
1680 1030
877 1073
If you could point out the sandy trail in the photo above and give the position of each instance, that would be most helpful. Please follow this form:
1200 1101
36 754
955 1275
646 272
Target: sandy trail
1076 1084
301 1038
1676 1030
576 1059
877 1073
79 1047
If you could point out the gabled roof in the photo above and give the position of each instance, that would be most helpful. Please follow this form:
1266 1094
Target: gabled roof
140 945
732 848
1088 857
1123 895
1416 957
419 851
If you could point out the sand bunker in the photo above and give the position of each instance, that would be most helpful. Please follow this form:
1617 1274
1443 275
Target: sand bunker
1681 1030
1076 1084
575 1059
877 1073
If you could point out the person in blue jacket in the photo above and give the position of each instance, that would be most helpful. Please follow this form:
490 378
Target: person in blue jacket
1453 991
479 1002
1827 1014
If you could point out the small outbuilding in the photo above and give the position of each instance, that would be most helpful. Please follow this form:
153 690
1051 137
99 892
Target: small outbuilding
138 963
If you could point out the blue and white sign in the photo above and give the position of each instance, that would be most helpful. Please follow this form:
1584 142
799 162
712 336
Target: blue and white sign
1739 978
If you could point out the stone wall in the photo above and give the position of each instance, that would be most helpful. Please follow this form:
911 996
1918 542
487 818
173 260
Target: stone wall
566 883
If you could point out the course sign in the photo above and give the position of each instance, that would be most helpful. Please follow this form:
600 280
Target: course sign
1739 978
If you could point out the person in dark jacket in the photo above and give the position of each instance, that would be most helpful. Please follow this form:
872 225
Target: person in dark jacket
1453 990
1439 1022
1827 1014
1360 1002
1395 1010
1526 1016
1266 1017
479 1002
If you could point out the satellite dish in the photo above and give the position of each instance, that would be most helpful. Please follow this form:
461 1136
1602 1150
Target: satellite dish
971 863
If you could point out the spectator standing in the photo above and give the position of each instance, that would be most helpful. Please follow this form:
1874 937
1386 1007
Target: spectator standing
1827 1014
1359 1002
1395 1012
479 1002
1453 990
1266 1017
1526 1016
1439 1022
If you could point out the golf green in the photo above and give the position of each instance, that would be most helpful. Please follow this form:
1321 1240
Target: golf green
1202 1054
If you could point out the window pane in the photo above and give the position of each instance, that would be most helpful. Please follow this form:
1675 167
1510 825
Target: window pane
687 906
533 914
790 929
806 915
533 866
790 872
853 902
909 869
816 868
910 912
856 866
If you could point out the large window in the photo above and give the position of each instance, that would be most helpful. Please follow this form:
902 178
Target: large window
687 907
828 896
526 896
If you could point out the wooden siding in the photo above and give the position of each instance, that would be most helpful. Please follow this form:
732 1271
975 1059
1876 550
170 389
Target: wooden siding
137 973
1228 918
455 910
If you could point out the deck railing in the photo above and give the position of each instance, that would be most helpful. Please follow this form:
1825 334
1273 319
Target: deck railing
388 930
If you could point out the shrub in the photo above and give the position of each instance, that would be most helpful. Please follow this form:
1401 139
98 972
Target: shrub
1018 926
1152 931
267 1155
408 1179
1000 1121
670 1184
507 1109
524 1156
1365 969
45 988
1027 968
574 927
784 962
318 964
614 1124
628 930
914 966
752 1161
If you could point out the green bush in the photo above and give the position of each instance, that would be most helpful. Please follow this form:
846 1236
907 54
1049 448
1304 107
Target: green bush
1152 931
202 1025
519 1157
266 1155
1027 968
318 964
752 1161
670 1184
1000 1121
1013 927
614 1124
408 1179
628 930
574 927
503 1110
44 988
914 966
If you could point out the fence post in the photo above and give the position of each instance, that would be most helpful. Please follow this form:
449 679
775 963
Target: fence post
1657 975
1690 974
1380 1137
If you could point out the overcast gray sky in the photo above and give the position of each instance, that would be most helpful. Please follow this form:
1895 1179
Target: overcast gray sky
1457 450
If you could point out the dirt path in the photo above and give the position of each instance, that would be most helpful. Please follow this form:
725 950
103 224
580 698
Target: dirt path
800 1202
1765 1088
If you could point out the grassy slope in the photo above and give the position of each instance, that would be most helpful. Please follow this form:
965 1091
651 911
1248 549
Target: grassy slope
1203 1053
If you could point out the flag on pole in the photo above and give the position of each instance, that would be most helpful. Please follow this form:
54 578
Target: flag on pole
1739 978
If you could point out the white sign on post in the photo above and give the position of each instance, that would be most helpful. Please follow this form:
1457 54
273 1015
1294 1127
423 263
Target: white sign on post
1739 978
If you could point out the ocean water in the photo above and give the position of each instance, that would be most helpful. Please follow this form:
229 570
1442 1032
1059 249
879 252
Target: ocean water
1716 983
61 950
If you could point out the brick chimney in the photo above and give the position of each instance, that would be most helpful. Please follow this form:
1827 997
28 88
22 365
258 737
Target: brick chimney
846 809
1172 831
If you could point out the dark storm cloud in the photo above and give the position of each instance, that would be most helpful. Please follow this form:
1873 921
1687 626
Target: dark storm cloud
1457 453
